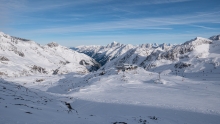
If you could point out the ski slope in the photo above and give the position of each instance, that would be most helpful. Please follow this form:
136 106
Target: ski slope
136 96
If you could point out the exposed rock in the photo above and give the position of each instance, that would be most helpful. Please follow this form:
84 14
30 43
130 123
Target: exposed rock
19 53
39 80
181 65
103 54
2 73
28 58
83 62
18 38
55 72
52 44
198 41
94 66
2 58
216 37
39 69
64 63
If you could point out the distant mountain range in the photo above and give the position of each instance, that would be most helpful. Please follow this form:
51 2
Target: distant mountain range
197 54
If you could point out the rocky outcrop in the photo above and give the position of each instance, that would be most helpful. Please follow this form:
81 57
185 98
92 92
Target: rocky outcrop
39 69
52 44
2 58
94 67
83 62
181 65
216 37
64 62
19 53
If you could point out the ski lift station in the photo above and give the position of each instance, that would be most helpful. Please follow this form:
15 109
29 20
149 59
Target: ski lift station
124 66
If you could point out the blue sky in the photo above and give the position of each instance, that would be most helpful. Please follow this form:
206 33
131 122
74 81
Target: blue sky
99 22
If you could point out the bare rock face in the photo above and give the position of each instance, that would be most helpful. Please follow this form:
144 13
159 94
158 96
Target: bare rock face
39 69
2 73
53 45
181 65
18 38
19 53
216 37
55 72
93 65
83 62
2 58
64 63
104 54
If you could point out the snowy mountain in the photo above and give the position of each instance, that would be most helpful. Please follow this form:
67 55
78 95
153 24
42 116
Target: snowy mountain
199 54
103 54
22 57
216 37
174 84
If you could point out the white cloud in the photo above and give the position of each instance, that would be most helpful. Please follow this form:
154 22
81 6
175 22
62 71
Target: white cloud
162 23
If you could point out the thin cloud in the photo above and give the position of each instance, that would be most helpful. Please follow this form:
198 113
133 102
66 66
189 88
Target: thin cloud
137 39
200 26
165 23
161 2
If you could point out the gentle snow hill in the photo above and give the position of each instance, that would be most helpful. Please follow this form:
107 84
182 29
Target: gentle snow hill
22 57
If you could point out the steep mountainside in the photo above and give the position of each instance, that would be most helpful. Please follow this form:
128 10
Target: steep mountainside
197 54
103 54
22 57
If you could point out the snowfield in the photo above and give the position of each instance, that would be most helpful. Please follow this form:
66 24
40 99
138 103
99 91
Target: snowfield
174 85
136 96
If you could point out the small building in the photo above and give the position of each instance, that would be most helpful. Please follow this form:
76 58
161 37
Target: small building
124 66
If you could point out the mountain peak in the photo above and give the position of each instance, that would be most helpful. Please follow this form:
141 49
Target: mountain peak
53 44
113 44
215 37
198 41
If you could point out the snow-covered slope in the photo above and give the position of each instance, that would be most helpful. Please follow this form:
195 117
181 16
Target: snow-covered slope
131 97
21 57
174 84
199 54
103 54
196 55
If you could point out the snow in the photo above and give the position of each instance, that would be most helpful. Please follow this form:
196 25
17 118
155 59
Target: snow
114 97
186 94
104 54
24 55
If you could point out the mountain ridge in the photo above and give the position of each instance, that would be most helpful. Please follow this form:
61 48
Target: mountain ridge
21 57
149 56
